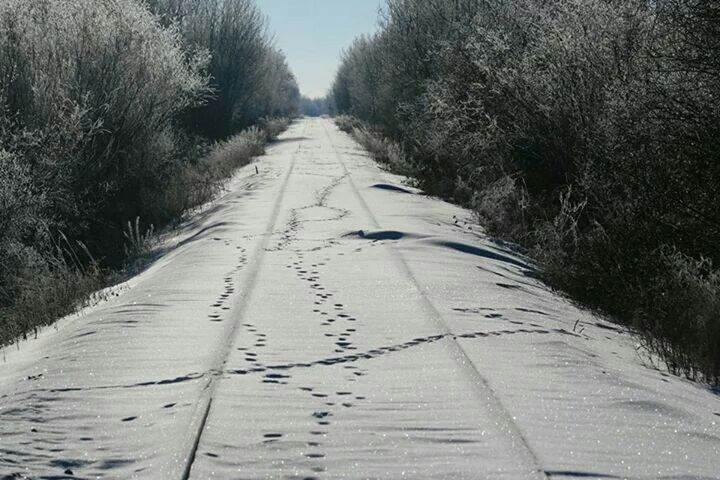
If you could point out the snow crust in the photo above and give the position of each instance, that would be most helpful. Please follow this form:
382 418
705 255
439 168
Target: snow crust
324 320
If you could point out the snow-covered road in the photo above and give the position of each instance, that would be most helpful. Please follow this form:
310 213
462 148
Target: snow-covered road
321 320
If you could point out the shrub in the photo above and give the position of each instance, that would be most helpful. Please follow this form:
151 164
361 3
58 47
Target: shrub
201 180
501 207
250 79
680 314
274 126
585 130
49 287
386 152
111 102
231 154
347 123
95 100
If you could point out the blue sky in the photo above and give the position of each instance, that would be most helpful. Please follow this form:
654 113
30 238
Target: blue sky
313 32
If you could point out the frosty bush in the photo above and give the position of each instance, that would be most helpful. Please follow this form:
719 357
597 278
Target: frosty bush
686 339
250 79
235 152
347 123
272 127
614 101
385 151
97 103
501 207
121 83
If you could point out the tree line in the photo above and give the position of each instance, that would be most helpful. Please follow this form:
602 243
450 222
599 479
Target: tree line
315 107
587 131
108 111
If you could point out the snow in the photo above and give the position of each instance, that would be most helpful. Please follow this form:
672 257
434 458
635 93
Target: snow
324 320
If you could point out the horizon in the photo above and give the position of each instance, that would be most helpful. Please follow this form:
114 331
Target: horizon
312 53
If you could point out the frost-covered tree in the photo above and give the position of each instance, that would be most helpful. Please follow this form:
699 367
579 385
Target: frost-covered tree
103 109
243 63
585 129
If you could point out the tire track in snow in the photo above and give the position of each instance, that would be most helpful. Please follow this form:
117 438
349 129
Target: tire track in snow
204 403
500 413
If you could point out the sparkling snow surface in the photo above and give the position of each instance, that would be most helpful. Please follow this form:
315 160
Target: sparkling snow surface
322 320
